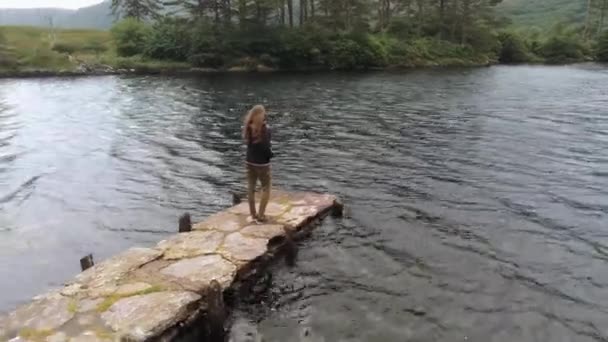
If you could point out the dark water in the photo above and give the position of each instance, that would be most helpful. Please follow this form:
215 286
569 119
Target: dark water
477 199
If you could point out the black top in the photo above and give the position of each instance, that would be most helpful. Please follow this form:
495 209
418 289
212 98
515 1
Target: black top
260 152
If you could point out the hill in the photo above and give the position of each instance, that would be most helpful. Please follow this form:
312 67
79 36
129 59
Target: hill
543 14
40 48
95 17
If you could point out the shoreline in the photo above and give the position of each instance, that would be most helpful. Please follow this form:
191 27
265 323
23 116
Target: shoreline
41 73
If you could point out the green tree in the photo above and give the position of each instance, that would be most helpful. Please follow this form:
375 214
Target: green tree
346 14
563 49
130 37
602 53
137 9
513 49
169 39
471 13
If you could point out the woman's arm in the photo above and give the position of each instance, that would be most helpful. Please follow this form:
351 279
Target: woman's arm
270 153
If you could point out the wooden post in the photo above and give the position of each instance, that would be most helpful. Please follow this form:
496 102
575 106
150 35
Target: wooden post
291 248
185 223
338 209
216 312
236 198
86 262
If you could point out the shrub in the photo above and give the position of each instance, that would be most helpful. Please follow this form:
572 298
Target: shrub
169 39
205 49
602 48
7 58
484 40
300 47
207 60
43 57
402 28
513 49
63 47
130 37
344 54
251 40
268 60
562 49
95 46
372 52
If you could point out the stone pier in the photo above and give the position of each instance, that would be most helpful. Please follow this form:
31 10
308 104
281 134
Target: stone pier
159 293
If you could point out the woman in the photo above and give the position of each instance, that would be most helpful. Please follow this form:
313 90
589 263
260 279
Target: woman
256 134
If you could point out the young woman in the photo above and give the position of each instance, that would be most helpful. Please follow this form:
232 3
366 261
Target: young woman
256 134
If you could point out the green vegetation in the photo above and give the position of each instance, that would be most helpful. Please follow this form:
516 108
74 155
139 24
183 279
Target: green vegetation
543 14
30 48
602 51
313 34
305 34
111 300
555 31
35 335
130 37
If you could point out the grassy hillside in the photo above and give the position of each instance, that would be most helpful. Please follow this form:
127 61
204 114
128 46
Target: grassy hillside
543 14
38 48
95 17
35 49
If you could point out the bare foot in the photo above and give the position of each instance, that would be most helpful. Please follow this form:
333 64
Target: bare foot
261 219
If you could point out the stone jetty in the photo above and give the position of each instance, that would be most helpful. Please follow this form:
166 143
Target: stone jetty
162 293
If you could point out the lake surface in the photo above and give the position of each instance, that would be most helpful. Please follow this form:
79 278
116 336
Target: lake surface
477 199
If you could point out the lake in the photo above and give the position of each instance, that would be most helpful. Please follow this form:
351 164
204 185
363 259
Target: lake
477 199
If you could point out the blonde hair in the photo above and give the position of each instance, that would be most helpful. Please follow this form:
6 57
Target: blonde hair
253 125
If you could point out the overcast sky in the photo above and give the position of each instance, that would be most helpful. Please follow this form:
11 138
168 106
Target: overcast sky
73 4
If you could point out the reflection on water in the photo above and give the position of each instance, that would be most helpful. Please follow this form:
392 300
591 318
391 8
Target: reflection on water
477 199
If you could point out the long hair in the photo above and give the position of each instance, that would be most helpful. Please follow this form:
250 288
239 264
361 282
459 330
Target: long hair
254 124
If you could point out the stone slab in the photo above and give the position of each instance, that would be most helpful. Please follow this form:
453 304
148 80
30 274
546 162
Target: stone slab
224 221
112 300
272 209
263 231
239 248
187 245
297 216
90 336
132 288
202 270
103 279
139 318
37 318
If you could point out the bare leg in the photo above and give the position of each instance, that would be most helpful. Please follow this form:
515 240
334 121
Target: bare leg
251 180
265 179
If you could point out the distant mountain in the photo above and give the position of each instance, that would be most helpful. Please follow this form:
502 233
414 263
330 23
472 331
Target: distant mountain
543 13
94 17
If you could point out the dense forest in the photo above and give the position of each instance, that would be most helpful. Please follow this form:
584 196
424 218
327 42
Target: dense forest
346 34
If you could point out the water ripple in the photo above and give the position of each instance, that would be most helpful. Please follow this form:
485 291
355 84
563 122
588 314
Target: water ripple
476 199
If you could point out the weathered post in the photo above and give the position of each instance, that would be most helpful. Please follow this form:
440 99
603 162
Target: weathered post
236 198
86 262
338 209
216 312
291 248
185 223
